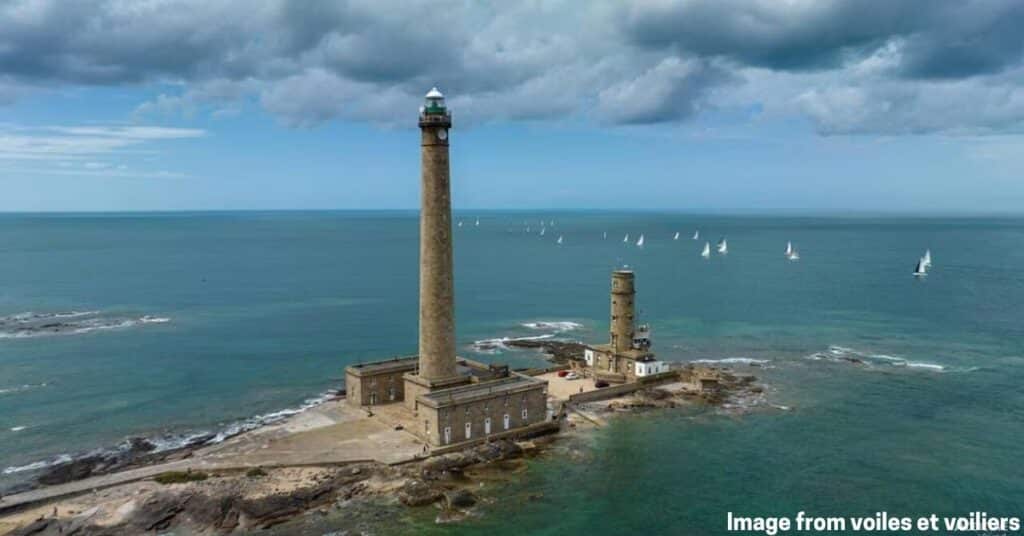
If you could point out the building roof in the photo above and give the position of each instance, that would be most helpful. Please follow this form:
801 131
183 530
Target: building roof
434 94
396 364
515 383
632 353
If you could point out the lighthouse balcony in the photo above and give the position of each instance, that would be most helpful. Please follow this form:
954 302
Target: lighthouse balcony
441 117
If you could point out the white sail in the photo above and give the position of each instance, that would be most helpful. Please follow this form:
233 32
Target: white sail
707 250
626 239
478 222
723 247
460 223
789 248
927 259
793 255
696 235
559 239
640 242
922 269
543 230
676 236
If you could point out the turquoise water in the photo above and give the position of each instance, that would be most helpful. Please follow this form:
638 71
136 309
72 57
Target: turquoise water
215 318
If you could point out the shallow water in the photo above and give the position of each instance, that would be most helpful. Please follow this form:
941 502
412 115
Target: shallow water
264 310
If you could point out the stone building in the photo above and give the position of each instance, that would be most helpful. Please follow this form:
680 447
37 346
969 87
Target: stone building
452 400
628 354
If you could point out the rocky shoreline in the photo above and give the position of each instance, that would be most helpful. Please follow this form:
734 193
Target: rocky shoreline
221 502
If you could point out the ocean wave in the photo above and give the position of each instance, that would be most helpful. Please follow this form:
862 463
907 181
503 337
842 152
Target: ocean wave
21 388
559 326
33 324
169 442
851 355
498 345
18 428
39 465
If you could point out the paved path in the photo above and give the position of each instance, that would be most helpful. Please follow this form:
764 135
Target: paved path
332 434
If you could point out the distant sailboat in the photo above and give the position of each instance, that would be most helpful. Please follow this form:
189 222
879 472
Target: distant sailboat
559 239
460 223
789 248
696 235
640 242
927 259
626 239
706 253
604 235
478 222
793 255
723 246
543 230
921 269
676 236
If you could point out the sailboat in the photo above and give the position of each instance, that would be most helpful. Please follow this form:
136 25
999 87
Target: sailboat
921 269
626 239
723 246
927 259
696 235
604 235
640 242
559 239
676 236
706 253
793 255
478 222
460 223
543 230
789 248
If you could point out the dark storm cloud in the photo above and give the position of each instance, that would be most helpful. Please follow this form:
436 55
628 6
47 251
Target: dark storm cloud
937 38
312 61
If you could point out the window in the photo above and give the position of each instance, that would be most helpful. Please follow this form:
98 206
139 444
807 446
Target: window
469 430
505 421
467 411
524 414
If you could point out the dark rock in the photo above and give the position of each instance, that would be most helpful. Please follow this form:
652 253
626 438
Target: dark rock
73 470
460 499
419 493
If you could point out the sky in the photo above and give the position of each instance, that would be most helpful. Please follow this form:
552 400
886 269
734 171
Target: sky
683 105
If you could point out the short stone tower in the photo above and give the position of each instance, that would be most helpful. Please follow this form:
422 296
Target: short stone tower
623 314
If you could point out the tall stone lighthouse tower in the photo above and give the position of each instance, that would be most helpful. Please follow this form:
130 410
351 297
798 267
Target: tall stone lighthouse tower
437 304
622 325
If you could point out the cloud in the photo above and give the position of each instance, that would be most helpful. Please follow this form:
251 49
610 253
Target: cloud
89 150
660 61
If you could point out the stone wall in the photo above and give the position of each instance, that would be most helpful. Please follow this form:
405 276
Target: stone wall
375 389
432 422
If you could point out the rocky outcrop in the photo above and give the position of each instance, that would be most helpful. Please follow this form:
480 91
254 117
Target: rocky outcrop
560 352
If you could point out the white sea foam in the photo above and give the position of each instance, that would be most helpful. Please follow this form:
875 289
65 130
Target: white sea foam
21 388
559 326
171 442
492 346
35 466
842 353
18 428
32 324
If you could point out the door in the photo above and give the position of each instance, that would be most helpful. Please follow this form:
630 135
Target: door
506 421
373 399
447 434
487 425
469 430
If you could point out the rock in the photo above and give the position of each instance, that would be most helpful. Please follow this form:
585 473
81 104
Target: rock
355 471
460 499
418 493
73 470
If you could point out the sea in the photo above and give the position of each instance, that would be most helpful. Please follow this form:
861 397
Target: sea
884 392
